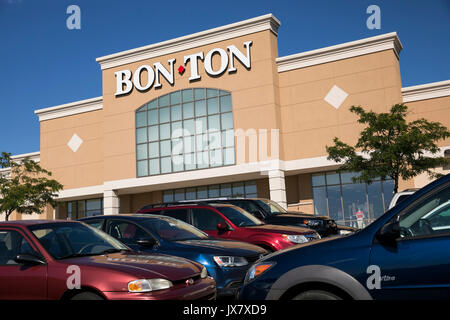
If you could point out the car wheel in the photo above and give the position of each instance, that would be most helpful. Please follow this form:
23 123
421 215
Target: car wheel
86 296
316 295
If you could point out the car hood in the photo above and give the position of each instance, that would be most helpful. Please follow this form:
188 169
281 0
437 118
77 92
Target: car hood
142 265
304 215
224 247
281 229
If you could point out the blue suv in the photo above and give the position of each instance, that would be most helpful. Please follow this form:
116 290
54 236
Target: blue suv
405 254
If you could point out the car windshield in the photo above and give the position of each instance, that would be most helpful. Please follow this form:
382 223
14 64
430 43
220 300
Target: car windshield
239 217
271 207
173 230
67 240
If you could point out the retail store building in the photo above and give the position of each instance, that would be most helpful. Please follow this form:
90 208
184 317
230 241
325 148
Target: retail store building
218 113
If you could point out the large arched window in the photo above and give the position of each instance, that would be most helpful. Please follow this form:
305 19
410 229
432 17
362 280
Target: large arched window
185 130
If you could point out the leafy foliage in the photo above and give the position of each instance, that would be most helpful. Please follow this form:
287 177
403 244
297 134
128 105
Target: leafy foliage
26 187
390 146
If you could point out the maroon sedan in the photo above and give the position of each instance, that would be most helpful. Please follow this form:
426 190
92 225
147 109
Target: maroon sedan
230 222
69 260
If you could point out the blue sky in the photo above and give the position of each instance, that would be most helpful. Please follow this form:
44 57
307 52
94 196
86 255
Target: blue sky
43 63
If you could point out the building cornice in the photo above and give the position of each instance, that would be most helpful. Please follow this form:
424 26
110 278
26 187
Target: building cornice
234 30
69 109
341 51
426 91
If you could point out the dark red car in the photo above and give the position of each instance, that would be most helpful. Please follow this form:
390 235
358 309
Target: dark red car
42 259
231 222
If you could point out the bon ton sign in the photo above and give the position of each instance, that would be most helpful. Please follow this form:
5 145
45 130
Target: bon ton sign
147 76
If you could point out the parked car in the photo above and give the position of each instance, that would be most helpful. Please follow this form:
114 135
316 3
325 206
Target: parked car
400 196
271 212
54 260
404 254
227 261
230 222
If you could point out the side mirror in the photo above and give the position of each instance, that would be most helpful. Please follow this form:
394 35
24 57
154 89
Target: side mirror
389 233
146 242
222 226
28 259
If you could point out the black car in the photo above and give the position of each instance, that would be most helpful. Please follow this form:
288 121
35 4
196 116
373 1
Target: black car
271 212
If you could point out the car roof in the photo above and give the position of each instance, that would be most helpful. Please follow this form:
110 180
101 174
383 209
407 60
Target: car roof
130 216
32 222
187 204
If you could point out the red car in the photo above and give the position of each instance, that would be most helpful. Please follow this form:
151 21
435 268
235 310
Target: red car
42 259
231 222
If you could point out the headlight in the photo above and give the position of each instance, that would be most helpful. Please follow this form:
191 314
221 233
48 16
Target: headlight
204 273
227 261
147 285
295 238
257 270
312 223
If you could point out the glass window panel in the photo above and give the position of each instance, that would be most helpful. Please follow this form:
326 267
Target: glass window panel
141 119
227 120
213 105
94 204
376 207
202 192
154 166
164 131
189 127
177 129
355 204
200 108
175 97
388 192
334 203
225 190
153 104
164 115
189 144
251 195
188 110
187 95
332 178
320 201
238 189
318 179
142 168
190 193
163 101
199 93
250 187
153 117
177 146
189 161
200 125
168 196
175 112
213 123
222 92
228 138
214 140
201 142
215 158
166 165
179 195
141 151
225 103
213 191
211 93
153 133
153 149
202 159
346 177
177 163
141 135
228 156
165 148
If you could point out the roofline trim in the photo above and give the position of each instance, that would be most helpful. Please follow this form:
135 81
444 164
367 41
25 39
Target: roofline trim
69 109
426 91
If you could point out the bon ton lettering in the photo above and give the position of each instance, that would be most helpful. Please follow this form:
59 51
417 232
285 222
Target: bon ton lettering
143 81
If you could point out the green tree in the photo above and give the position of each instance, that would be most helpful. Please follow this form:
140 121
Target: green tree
25 187
391 147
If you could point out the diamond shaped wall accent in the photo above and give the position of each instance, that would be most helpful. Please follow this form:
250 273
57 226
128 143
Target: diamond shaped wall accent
75 142
336 96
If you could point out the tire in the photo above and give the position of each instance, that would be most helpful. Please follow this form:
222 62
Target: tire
86 296
316 295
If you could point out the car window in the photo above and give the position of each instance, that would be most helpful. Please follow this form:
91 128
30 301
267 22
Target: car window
95 223
180 214
206 219
170 229
239 217
248 206
126 232
429 217
13 243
